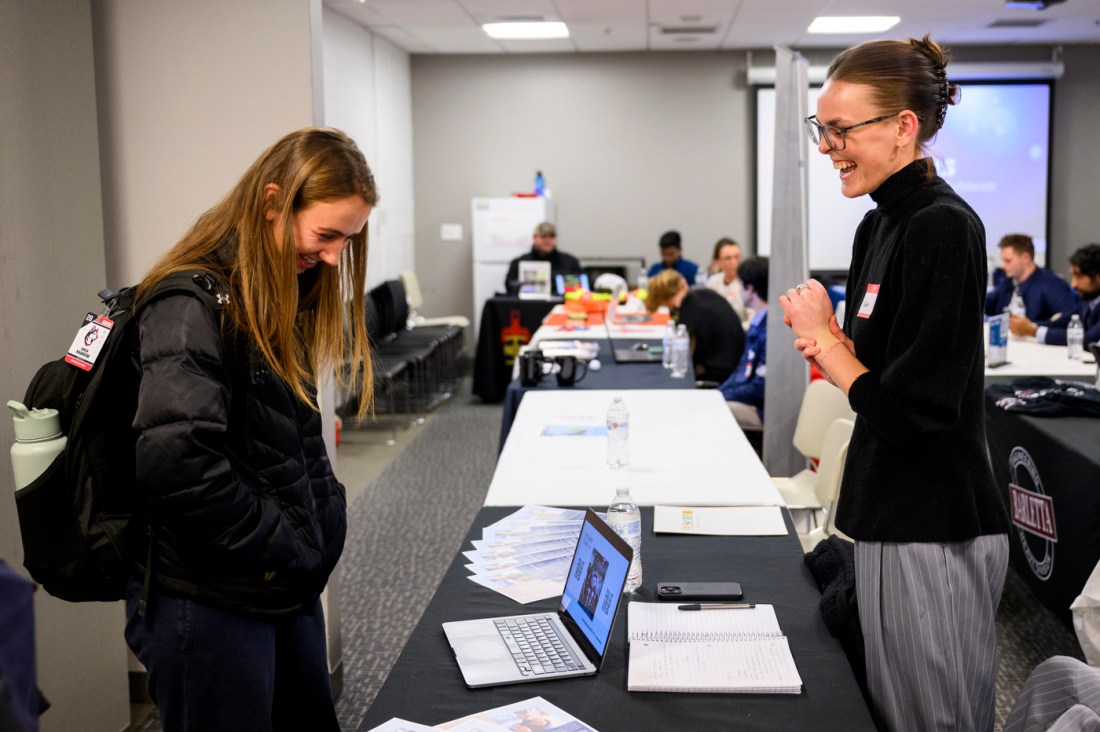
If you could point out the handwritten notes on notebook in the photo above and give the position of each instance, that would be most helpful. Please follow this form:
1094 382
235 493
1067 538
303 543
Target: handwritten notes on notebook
716 651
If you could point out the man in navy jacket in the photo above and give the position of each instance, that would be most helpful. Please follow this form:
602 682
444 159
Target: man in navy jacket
1045 294
1084 267
672 258
744 389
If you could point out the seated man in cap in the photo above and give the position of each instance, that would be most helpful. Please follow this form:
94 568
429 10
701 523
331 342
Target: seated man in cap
544 248
672 258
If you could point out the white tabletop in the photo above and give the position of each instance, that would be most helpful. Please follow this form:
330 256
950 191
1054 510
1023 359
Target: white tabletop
685 449
1027 357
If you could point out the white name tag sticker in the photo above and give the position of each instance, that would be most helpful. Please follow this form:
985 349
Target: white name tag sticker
868 303
89 342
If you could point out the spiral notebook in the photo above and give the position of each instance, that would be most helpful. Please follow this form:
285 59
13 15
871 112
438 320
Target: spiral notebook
710 651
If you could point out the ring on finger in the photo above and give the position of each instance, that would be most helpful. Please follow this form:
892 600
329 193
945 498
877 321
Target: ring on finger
800 288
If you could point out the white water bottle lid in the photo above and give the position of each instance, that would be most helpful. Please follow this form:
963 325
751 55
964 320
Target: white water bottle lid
34 425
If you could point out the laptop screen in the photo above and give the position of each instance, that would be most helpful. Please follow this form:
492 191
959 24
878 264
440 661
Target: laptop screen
562 283
594 587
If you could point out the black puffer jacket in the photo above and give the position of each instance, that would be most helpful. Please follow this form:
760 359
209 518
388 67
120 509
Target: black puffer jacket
246 512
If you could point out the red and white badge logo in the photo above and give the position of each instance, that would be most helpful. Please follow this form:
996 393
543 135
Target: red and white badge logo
1032 513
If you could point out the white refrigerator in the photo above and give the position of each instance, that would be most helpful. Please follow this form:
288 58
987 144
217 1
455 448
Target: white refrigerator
502 229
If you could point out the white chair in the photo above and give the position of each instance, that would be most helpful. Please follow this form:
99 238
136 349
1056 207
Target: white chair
829 474
822 404
416 301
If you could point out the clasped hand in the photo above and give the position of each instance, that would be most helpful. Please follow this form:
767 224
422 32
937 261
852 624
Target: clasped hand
808 311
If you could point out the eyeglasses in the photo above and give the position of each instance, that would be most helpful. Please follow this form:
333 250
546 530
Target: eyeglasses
835 136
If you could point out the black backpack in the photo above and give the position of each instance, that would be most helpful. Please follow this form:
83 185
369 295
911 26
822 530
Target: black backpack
75 519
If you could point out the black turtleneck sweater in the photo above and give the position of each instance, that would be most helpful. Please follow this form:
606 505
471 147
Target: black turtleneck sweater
917 467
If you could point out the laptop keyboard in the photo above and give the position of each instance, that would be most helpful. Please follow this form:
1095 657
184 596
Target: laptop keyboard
535 646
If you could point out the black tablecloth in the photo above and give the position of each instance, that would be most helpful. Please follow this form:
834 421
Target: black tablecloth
507 323
1058 460
610 376
426 686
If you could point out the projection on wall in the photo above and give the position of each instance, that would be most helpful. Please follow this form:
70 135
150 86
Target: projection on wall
994 150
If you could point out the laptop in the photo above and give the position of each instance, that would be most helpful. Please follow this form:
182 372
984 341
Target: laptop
645 351
563 281
539 646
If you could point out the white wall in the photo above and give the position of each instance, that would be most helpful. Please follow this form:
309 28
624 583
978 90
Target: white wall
189 95
368 96
51 235
1075 176
631 145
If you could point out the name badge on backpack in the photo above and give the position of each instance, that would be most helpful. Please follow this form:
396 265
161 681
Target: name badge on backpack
89 341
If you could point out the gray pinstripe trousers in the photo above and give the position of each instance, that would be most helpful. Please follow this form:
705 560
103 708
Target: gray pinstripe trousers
1061 694
927 611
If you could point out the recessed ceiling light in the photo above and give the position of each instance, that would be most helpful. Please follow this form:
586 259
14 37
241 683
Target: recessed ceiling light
527 30
853 23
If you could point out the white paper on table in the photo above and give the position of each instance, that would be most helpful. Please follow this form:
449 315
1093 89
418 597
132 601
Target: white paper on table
555 568
524 592
540 546
482 566
719 520
529 531
536 711
541 514
400 725
487 544
475 725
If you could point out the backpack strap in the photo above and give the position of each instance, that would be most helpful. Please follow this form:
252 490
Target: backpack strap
211 291
200 283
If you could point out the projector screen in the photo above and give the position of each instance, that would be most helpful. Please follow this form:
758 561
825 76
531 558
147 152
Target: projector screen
994 150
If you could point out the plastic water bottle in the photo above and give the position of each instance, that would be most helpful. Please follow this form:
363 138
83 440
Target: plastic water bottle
618 435
38 440
1075 338
1016 304
680 345
624 517
540 184
666 344
998 339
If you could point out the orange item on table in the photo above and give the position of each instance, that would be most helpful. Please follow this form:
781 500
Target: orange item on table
562 317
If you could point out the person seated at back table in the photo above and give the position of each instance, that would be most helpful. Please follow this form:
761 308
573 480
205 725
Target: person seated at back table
717 338
744 389
1084 268
724 281
672 258
544 248
1045 294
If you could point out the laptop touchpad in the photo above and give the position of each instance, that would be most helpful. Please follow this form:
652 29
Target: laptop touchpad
481 649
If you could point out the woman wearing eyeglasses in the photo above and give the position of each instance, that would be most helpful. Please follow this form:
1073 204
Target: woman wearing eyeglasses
918 496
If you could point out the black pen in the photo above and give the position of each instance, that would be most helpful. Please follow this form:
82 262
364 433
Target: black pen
718 606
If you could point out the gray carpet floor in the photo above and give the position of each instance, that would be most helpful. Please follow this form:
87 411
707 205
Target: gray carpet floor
406 527
403 532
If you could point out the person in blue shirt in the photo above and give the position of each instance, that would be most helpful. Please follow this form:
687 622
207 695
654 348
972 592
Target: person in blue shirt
744 389
672 258
1084 268
1045 294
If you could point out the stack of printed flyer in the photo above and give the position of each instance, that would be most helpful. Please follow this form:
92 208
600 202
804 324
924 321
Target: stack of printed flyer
526 555
533 714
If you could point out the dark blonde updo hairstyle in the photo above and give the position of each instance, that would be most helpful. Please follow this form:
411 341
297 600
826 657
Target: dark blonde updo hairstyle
903 75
